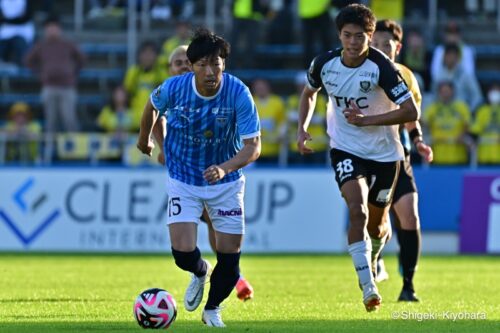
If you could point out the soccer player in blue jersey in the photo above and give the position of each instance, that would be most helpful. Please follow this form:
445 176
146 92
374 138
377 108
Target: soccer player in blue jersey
369 100
179 64
213 131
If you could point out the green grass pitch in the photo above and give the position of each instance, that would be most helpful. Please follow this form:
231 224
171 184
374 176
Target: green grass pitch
293 293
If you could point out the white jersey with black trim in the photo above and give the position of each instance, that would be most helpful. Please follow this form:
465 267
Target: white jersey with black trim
376 86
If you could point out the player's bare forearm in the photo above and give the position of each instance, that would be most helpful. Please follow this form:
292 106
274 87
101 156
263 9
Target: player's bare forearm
307 104
306 108
249 153
412 125
407 112
149 116
160 130
159 133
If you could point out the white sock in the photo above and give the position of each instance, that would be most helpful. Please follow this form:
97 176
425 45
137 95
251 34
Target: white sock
360 253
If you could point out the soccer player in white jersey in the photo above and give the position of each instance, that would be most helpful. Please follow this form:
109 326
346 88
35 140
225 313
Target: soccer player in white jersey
179 64
213 131
388 38
364 88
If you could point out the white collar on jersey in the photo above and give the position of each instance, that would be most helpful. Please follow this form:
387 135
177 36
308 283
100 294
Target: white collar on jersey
207 98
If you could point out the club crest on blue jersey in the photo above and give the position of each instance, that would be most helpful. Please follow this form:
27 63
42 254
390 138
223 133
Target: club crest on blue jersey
365 86
221 121
184 119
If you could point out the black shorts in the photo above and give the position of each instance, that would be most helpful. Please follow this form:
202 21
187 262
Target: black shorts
406 182
380 176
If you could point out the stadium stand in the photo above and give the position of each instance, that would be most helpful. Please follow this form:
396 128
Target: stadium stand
278 63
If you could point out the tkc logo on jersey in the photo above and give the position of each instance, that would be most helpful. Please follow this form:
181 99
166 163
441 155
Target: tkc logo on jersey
32 223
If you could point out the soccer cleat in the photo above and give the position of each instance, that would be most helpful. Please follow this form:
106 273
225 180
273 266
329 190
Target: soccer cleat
382 274
244 290
194 291
408 295
371 297
212 318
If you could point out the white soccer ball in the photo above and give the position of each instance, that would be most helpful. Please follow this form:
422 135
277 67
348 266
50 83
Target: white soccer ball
155 308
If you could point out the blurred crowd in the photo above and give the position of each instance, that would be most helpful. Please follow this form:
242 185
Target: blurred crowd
461 118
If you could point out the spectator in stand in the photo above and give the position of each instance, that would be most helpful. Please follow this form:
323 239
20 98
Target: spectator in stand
317 127
22 133
486 128
467 87
316 23
416 57
272 115
57 61
182 36
141 79
16 30
247 17
466 59
448 120
116 117
116 120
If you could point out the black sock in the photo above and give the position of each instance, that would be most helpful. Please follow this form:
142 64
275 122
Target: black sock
190 261
224 277
409 244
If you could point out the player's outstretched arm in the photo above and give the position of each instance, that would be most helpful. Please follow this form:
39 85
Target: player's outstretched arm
149 117
159 133
249 153
306 109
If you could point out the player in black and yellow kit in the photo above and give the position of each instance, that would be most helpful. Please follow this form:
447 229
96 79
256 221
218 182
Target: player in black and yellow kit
387 38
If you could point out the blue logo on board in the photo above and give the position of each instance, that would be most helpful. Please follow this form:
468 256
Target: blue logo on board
29 208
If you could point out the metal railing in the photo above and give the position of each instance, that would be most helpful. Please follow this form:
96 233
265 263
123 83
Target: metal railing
94 149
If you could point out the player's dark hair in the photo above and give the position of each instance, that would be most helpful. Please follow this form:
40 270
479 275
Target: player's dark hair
207 44
391 27
356 14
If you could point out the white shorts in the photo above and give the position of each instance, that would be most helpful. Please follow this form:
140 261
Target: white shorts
224 203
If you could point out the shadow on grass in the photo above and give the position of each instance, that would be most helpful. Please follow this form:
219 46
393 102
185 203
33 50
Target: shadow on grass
364 325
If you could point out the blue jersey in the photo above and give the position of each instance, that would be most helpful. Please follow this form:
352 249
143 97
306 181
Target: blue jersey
202 131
